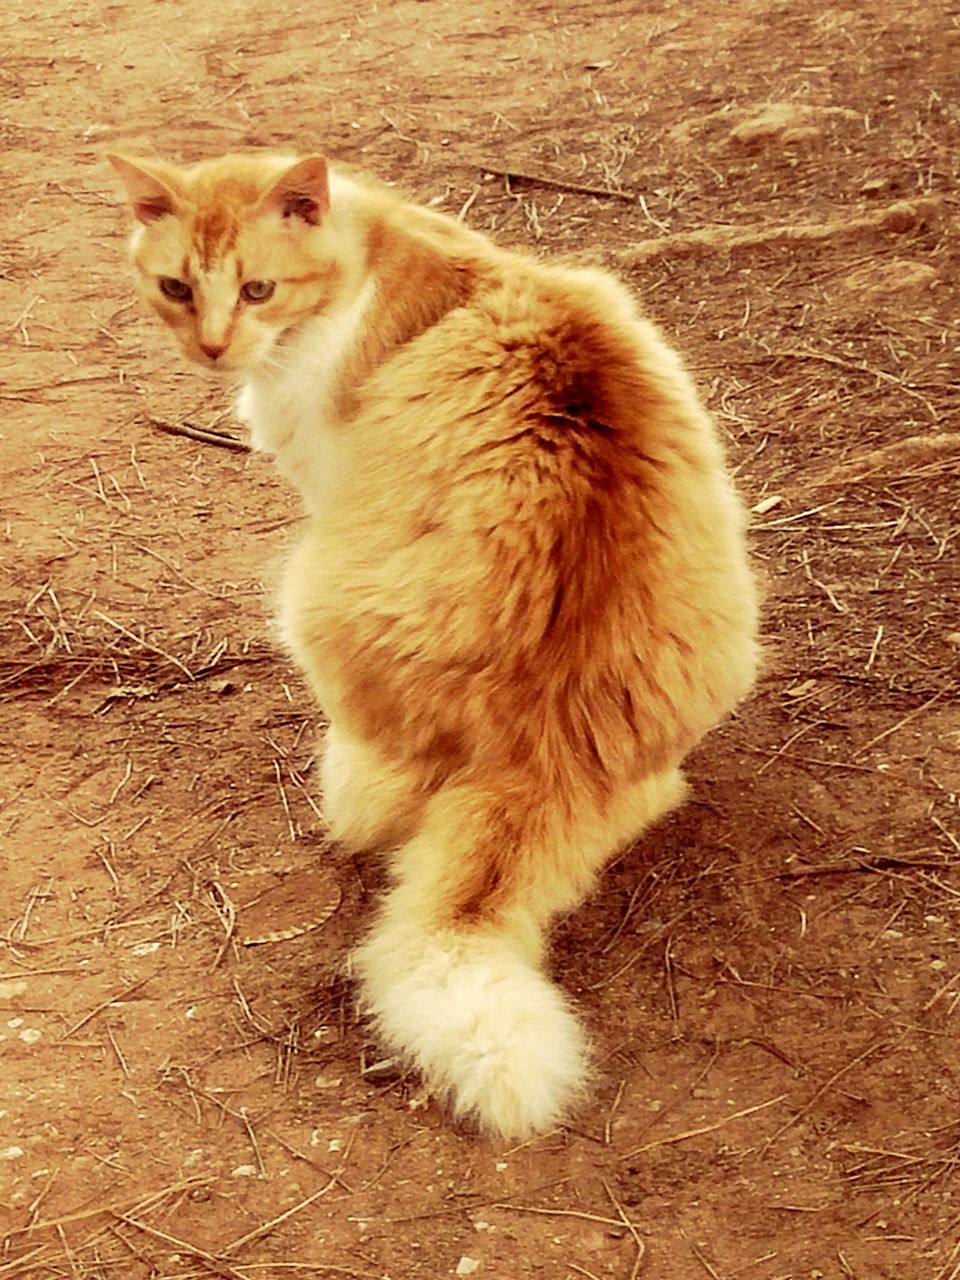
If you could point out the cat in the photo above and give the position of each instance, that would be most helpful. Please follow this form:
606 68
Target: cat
522 594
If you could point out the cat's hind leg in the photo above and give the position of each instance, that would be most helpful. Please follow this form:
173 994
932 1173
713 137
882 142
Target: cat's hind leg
368 802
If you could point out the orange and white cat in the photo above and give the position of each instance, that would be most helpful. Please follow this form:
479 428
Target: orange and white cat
522 594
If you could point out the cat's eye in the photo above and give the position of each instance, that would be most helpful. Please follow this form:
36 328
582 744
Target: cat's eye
258 290
176 289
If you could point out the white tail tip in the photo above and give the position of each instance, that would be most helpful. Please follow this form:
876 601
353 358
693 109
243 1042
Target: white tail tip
485 1029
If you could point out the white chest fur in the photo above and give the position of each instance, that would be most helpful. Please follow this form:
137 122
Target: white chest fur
286 403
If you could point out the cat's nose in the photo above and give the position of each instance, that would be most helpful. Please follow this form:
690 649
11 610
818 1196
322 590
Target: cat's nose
212 349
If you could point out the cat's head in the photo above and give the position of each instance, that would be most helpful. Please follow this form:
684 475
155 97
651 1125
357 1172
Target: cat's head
232 252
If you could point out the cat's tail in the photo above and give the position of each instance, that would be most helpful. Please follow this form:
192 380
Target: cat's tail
452 970
482 1025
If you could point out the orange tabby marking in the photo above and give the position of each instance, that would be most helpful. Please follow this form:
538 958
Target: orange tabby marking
522 595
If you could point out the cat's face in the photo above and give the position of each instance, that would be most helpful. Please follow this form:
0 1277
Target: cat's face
231 253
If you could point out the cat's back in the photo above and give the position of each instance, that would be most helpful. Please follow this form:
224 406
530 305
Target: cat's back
538 359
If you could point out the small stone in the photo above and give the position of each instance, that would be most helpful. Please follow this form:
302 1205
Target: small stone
328 1082
11 1153
30 1035
362 1117
144 948
802 689
901 216
383 1072
467 1266
244 1171
938 965
10 989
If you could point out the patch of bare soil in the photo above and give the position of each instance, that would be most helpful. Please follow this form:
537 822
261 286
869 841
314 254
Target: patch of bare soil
772 980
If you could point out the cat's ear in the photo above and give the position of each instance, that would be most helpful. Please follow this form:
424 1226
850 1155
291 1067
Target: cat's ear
302 192
150 192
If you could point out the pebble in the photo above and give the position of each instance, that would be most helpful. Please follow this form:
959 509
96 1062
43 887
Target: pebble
244 1171
384 1071
11 1153
30 1035
10 989
145 948
362 1117
467 1266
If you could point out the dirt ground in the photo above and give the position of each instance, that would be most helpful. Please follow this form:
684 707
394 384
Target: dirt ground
772 980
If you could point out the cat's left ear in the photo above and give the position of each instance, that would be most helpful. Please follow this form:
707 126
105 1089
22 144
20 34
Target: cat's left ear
151 194
302 192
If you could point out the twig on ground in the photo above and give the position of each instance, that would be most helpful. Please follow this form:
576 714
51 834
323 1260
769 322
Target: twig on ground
706 1128
145 644
555 184
204 434
912 715
641 1247
266 1227
608 1123
105 1004
558 1213
700 1256
226 911
827 1085
217 1263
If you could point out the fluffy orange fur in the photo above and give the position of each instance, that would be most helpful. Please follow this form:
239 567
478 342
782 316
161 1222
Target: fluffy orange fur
522 595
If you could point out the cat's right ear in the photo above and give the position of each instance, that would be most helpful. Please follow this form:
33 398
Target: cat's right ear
151 196
302 193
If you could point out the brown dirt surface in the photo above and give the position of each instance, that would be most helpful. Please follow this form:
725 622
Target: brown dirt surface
772 980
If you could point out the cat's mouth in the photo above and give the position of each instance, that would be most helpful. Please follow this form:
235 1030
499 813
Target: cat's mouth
225 362
230 360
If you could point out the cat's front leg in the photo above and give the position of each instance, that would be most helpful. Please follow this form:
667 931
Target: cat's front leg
243 410
248 415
